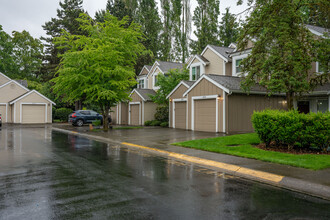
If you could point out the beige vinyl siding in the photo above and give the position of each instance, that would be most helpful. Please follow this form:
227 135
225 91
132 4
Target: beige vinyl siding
229 69
178 94
170 116
10 92
144 72
216 63
124 113
3 113
33 114
203 88
135 97
195 61
180 115
152 71
149 111
135 114
3 80
241 107
113 114
32 98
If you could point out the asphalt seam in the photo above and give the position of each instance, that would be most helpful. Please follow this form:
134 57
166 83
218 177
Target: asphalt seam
289 183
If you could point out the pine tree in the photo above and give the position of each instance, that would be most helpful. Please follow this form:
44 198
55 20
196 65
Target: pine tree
66 20
206 21
228 29
166 38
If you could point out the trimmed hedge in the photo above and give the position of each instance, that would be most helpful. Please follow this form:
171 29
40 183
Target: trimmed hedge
292 129
164 124
62 114
152 123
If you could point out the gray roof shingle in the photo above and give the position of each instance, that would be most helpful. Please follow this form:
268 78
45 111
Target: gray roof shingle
321 30
203 58
22 82
145 93
189 83
224 51
166 66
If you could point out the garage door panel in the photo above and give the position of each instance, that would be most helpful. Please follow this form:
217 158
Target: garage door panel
33 114
3 113
135 113
180 115
205 115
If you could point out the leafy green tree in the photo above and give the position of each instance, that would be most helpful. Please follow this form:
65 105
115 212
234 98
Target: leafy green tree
206 22
166 35
228 29
99 67
66 20
27 54
7 64
283 49
168 83
181 18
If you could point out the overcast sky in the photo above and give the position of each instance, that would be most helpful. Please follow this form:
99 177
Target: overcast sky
19 15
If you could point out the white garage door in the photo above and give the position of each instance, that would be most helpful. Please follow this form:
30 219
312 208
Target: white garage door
33 114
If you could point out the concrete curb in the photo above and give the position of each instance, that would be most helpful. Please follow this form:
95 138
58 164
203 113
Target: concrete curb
289 183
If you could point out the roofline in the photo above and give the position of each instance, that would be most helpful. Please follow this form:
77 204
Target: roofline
196 56
210 80
246 51
180 83
256 92
210 47
152 67
12 102
144 67
138 95
5 76
15 83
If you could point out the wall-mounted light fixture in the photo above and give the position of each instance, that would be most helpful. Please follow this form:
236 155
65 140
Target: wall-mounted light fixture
219 97
170 100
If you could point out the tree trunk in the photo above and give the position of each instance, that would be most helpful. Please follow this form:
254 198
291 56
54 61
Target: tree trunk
289 100
105 113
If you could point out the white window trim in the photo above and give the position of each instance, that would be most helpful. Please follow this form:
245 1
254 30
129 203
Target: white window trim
173 109
31 103
117 109
144 82
216 110
242 56
202 70
129 111
153 81
6 104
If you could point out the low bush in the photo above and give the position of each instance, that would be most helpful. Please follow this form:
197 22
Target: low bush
164 124
162 113
62 114
147 123
155 123
292 129
97 123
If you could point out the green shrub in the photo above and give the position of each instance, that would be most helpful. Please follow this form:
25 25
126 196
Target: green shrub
293 129
96 122
62 114
147 123
155 123
164 124
162 113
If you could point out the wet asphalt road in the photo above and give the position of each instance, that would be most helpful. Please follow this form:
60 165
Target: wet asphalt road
50 175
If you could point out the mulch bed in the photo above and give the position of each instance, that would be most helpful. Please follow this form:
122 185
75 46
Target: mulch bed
284 149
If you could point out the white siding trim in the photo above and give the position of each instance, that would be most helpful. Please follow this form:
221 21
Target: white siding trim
234 58
34 103
142 112
173 109
216 109
224 112
6 104
117 109
129 111
224 68
13 81
14 113
119 118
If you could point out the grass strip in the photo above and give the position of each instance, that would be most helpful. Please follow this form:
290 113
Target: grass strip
242 145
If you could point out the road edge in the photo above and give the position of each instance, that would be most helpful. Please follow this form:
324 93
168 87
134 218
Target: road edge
293 184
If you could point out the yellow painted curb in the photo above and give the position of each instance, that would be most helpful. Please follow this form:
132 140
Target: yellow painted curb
229 167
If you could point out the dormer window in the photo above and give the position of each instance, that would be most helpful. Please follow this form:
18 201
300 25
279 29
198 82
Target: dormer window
238 66
141 84
195 72
320 68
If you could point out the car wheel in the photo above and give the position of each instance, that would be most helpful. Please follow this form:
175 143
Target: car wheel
80 123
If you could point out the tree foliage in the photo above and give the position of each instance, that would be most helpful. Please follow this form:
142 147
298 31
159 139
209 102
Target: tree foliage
228 29
7 64
283 51
167 83
99 67
206 21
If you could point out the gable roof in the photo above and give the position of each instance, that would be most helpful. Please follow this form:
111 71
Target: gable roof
222 52
230 84
317 30
28 93
5 76
147 67
22 82
144 93
186 83
13 81
165 66
201 58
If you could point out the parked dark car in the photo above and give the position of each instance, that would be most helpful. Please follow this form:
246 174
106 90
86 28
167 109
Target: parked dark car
81 117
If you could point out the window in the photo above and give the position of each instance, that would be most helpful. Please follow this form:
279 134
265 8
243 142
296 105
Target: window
155 80
322 105
141 84
321 68
238 66
195 72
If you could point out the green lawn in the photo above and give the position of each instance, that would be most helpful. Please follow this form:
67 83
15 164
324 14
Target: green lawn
241 145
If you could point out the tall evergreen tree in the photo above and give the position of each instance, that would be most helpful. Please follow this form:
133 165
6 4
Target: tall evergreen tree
66 20
119 9
206 22
228 29
181 18
166 35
